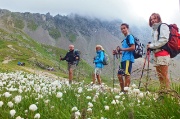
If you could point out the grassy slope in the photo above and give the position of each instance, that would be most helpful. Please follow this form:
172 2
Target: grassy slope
17 46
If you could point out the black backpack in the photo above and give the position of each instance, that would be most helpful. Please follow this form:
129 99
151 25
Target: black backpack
77 54
139 47
173 44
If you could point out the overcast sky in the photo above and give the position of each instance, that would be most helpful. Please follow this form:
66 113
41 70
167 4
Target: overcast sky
127 10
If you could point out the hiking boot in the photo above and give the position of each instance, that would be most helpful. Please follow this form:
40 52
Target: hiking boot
70 81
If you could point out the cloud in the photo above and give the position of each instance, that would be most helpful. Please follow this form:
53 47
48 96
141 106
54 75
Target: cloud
133 11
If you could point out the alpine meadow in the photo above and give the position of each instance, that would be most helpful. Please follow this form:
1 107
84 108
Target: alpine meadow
39 88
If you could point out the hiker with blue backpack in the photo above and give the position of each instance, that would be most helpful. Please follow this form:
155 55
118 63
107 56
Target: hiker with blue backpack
127 58
161 56
72 58
98 61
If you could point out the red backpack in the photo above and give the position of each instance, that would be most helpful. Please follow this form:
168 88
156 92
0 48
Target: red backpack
173 45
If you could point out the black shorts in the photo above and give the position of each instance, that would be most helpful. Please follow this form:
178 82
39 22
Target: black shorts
125 68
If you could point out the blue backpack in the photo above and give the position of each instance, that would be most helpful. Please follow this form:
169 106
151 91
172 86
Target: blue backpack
106 59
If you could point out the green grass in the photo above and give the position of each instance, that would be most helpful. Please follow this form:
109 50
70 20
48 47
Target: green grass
72 37
17 46
32 25
54 33
50 106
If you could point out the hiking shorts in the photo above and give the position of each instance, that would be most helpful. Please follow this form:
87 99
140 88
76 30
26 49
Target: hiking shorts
161 60
125 68
71 66
97 71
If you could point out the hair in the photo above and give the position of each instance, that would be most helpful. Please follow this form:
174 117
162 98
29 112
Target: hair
100 46
155 15
125 24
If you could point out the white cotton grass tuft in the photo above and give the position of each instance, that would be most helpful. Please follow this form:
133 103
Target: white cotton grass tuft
80 90
106 107
140 95
7 94
33 107
113 102
117 96
89 110
90 105
77 114
126 88
10 104
74 109
136 91
12 112
37 116
88 97
19 117
17 99
134 86
1 103
59 94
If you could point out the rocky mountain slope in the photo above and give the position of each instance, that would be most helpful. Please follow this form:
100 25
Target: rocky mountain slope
85 33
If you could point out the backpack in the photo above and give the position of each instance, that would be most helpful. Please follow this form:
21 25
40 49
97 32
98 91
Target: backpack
173 44
106 59
138 52
77 54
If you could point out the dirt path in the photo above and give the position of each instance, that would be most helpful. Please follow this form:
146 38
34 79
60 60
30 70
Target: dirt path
45 73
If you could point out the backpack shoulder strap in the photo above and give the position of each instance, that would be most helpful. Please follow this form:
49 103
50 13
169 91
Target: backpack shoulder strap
127 40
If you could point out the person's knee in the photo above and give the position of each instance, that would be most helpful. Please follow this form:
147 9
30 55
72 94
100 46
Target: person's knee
119 76
70 71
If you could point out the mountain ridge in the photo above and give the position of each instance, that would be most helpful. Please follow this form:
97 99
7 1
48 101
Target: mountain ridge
84 33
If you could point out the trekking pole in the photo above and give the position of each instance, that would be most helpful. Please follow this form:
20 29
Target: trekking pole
147 78
142 71
113 70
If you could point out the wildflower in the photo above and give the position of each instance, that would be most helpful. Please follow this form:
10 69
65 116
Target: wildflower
1 103
7 94
46 101
88 97
140 95
17 99
90 104
134 85
117 96
80 90
121 93
59 94
136 91
123 98
12 113
77 114
126 88
33 107
20 91
19 117
10 104
106 107
52 107
74 109
113 102
103 118
1 83
37 116
117 113
26 111
89 110
89 89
